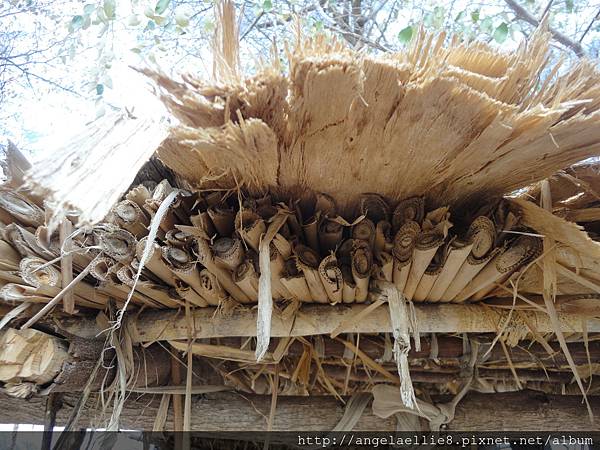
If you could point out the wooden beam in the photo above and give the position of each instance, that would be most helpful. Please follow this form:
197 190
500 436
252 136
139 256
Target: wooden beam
323 319
517 411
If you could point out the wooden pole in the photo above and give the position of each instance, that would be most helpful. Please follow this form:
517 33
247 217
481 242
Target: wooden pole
66 264
323 319
515 411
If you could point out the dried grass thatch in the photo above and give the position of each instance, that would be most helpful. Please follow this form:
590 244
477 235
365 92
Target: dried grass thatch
458 122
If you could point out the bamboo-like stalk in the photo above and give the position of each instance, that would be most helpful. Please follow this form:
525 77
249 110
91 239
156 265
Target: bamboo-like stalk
362 263
307 261
330 235
246 277
283 246
277 262
404 244
385 263
349 288
457 254
118 244
295 282
19 293
49 242
30 269
482 236
431 274
251 227
319 319
139 195
151 205
37 273
374 207
24 241
201 249
155 264
228 253
426 247
365 231
410 210
523 250
177 237
160 294
9 257
311 232
435 229
131 217
331 277
202 220
181 263
19 207
383 237
104 269
212 290
223 218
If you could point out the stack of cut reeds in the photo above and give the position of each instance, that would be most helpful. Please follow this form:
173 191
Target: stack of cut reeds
207 244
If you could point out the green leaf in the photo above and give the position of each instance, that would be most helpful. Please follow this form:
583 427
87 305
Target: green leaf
501 33
182 19
459 16
89 9
486 25
569 5
76 23
475 15
267 5
428 20
99 89
405 34
438 16
161 6
319 25
86 22
133 20
110 7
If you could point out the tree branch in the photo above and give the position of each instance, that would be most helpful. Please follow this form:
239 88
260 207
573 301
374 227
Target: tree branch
522 14
589 27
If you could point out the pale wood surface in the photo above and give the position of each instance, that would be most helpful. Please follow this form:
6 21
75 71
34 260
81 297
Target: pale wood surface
323 319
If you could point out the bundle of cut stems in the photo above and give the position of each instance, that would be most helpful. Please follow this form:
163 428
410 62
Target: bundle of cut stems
205 252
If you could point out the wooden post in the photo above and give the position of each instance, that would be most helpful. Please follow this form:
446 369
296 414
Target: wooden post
53 405
66 264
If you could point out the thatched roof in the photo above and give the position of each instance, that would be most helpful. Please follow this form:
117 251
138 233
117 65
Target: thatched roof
346 182
457 122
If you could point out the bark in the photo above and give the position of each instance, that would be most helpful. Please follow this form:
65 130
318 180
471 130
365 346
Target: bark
520 411
151 365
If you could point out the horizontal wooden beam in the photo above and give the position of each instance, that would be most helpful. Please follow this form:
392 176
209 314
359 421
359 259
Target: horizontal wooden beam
517 411
323 319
